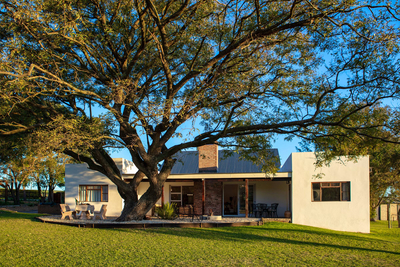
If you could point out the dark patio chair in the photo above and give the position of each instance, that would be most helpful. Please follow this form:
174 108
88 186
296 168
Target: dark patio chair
189 212
185 212
253 210
250 210
273 210
264 210
257 210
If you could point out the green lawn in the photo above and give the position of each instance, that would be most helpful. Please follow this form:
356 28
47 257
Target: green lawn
27 242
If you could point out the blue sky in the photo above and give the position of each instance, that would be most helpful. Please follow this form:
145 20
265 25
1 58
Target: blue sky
285 148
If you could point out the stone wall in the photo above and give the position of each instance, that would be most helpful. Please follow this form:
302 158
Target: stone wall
213 197
198 197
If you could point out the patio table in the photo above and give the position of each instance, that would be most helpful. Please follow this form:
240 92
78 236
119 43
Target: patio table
260 209
82 210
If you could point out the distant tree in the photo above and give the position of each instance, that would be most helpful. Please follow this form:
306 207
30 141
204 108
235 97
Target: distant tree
247 70
35 179
52 173
385 174
45 168
16 174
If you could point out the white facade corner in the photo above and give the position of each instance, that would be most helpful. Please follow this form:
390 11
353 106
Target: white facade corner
352 216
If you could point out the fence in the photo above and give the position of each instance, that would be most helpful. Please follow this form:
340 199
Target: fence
32 194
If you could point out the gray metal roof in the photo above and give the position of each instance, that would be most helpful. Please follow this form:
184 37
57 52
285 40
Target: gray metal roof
188 163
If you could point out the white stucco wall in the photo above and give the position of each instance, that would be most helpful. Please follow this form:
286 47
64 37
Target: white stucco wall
350 215
269 192
79 174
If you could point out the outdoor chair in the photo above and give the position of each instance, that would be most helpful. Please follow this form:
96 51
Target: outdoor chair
264 210
273 210
260 208
251 210
256 211
66 212
101 214
186 211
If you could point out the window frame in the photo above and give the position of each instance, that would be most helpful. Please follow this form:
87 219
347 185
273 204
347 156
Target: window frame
102 193
328 184
181 194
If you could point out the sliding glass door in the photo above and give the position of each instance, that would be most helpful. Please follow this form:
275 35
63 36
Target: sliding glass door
231 199
235 199
242 198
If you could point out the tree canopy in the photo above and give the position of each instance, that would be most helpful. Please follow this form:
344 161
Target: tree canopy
246 70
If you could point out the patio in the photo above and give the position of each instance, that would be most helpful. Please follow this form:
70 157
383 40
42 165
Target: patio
154 222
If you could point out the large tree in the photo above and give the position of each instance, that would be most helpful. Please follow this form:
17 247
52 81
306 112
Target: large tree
246 70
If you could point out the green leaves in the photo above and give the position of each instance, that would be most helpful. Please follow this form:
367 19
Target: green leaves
247 70
167 212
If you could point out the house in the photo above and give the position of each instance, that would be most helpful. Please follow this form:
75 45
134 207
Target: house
382 211
334 197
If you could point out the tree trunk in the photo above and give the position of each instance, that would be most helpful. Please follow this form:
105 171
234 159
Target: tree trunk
15 195
24 189
39 191
137 209
45 194
50 197
17 199
6 194
12 192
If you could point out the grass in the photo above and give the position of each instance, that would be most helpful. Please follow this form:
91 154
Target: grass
26 242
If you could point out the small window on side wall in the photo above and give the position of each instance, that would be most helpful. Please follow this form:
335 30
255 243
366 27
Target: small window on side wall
93 193
332 191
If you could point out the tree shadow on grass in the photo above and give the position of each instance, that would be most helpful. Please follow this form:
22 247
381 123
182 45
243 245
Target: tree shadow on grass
246 234
4 214
324 232
363 237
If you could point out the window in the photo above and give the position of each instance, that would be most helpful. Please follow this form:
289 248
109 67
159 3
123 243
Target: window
336 191
182 195
93 193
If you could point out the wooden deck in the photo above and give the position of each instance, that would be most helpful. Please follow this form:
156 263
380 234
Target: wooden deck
177 223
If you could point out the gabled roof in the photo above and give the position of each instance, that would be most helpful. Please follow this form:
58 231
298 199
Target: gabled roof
188 163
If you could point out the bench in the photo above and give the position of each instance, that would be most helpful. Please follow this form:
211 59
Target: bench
101 214
67 212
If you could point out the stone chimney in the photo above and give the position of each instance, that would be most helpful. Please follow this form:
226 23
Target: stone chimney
208 158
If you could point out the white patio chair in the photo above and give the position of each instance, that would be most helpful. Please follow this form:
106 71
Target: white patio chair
101 214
